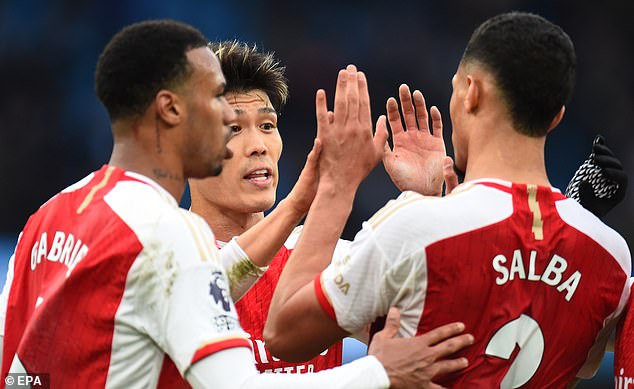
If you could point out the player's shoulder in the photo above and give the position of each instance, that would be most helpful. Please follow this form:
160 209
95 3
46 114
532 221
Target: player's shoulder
154 216
468 207
579 218
292 239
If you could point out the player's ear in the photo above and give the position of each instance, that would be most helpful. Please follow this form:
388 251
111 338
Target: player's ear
557 118
169 107
472 97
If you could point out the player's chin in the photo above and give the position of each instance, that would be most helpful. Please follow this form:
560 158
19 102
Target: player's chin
262 202
210 169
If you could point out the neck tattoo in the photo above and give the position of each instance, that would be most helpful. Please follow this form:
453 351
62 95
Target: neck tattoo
161 174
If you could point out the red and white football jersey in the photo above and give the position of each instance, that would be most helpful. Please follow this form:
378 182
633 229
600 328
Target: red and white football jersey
624 348
539 281
115 286
253 310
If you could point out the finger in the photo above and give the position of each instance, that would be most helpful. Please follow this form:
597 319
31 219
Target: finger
392 324
380 136
321 111
599 139
436 121
381 126
409 115
606 161
421 111
450 366
341 103
393 116
331 117
601 149
441 333
449 174
452 345
365 115
313 156
352 93
616 175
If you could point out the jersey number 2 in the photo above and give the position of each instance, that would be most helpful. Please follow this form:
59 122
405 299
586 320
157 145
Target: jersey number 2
525 332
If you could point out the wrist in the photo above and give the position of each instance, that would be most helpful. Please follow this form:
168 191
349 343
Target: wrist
291 209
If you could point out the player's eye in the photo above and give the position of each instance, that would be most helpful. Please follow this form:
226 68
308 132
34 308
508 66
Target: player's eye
235 129
268 126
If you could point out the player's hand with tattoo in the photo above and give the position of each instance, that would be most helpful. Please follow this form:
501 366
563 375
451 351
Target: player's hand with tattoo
416 161
414 362
600 183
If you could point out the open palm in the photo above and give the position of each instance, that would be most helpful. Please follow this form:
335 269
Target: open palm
416 160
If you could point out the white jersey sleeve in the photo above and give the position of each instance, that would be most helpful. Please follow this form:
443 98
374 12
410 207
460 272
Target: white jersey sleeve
177 292
234 369
374 273
240 269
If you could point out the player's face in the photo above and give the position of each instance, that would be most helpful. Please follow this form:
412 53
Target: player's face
249 179
456 108
208 114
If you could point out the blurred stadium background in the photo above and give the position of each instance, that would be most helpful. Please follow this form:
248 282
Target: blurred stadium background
53 130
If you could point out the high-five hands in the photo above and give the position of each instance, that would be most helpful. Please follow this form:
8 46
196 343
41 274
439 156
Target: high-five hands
349 150
416 162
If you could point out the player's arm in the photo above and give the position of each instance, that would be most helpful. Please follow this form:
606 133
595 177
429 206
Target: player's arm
245 258
392 362
416 161
349 153
297 326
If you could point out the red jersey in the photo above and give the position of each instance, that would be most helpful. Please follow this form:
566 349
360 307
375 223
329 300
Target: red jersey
624 349
539 281
113 285
253 309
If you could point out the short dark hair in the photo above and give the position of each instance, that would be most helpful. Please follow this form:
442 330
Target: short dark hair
533 62
245 68
142 59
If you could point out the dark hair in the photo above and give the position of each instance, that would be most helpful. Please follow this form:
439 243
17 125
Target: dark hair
245 68
142 59
533 62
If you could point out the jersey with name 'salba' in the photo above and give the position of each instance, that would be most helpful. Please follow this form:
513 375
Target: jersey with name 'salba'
112 284
253 310
539 281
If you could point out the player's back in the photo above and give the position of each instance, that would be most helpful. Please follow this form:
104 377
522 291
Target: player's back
534 286
96 269
534 277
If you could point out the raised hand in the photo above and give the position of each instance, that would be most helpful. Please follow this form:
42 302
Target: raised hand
414 362
304 190
416 162
349 151
600 183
